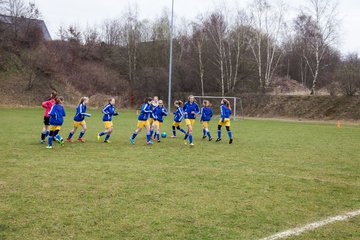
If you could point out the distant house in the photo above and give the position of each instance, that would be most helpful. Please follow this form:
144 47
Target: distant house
24 24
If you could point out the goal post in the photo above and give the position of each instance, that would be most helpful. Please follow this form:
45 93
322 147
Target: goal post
236 103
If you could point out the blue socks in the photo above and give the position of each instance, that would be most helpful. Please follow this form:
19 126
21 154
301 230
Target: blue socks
183 131
204 132
134 135
50 140
230 134
81 134
148 137
190 138
101 134
219 134
70 135
174 132
107 137
186 135
158 136
208 134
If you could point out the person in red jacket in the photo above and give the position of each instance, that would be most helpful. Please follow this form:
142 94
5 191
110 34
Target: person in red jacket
47 105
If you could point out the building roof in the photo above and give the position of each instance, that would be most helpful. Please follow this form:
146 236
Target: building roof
38 22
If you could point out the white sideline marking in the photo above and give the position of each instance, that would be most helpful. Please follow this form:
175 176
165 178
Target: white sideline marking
312 226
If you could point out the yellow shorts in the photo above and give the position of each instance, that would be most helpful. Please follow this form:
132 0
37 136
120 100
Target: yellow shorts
225 123
205 124
151 121
189 122
177 124
78 124
54 128
157 123
142 124
108 124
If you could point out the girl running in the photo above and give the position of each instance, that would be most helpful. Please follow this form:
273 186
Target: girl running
225 109
47 105
206 115
178 116
159 113
79 120
143 121
191 109
109 112
57 114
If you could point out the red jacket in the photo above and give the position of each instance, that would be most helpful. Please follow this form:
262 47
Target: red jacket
48 105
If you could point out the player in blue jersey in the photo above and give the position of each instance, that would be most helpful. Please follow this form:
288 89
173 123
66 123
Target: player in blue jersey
159 112
79 120
191 109
178 117
57 114
109 112
225 110
143 121
154 103
206 115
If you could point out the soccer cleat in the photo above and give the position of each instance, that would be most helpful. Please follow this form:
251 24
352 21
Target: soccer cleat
149 143
218 140
132 141
107 141
192 144
173 136
49 147
230 142
69 140
203 137
62 143
42 141
158 141
185 142
210 139
81 140
98 137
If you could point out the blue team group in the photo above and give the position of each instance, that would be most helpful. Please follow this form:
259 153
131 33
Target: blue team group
151 117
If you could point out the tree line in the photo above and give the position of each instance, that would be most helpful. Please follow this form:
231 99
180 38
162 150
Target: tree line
222 52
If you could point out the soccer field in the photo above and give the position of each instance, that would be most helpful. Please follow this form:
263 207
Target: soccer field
274 177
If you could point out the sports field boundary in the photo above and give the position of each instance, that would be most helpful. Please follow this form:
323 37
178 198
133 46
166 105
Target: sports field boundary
312 226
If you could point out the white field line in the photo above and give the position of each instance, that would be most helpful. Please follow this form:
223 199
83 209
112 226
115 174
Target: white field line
312 226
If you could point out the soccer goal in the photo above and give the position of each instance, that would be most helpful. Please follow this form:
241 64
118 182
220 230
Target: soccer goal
236 104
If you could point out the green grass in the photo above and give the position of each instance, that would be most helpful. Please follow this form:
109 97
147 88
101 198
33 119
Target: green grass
276 176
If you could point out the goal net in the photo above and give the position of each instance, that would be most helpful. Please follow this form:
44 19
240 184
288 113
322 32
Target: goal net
236 104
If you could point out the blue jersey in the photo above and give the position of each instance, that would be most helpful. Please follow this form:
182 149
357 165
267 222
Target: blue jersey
81 113
225 112
57 114
146 111
189 108
109 112
159 113
206 114
178 114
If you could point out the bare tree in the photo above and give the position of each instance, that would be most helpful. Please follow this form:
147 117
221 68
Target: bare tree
217 30
319 34
268 24
130 36
111 32
198 40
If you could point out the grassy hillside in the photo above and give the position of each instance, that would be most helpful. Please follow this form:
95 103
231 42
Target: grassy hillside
275 176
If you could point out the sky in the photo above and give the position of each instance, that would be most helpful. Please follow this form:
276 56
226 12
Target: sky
84 13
